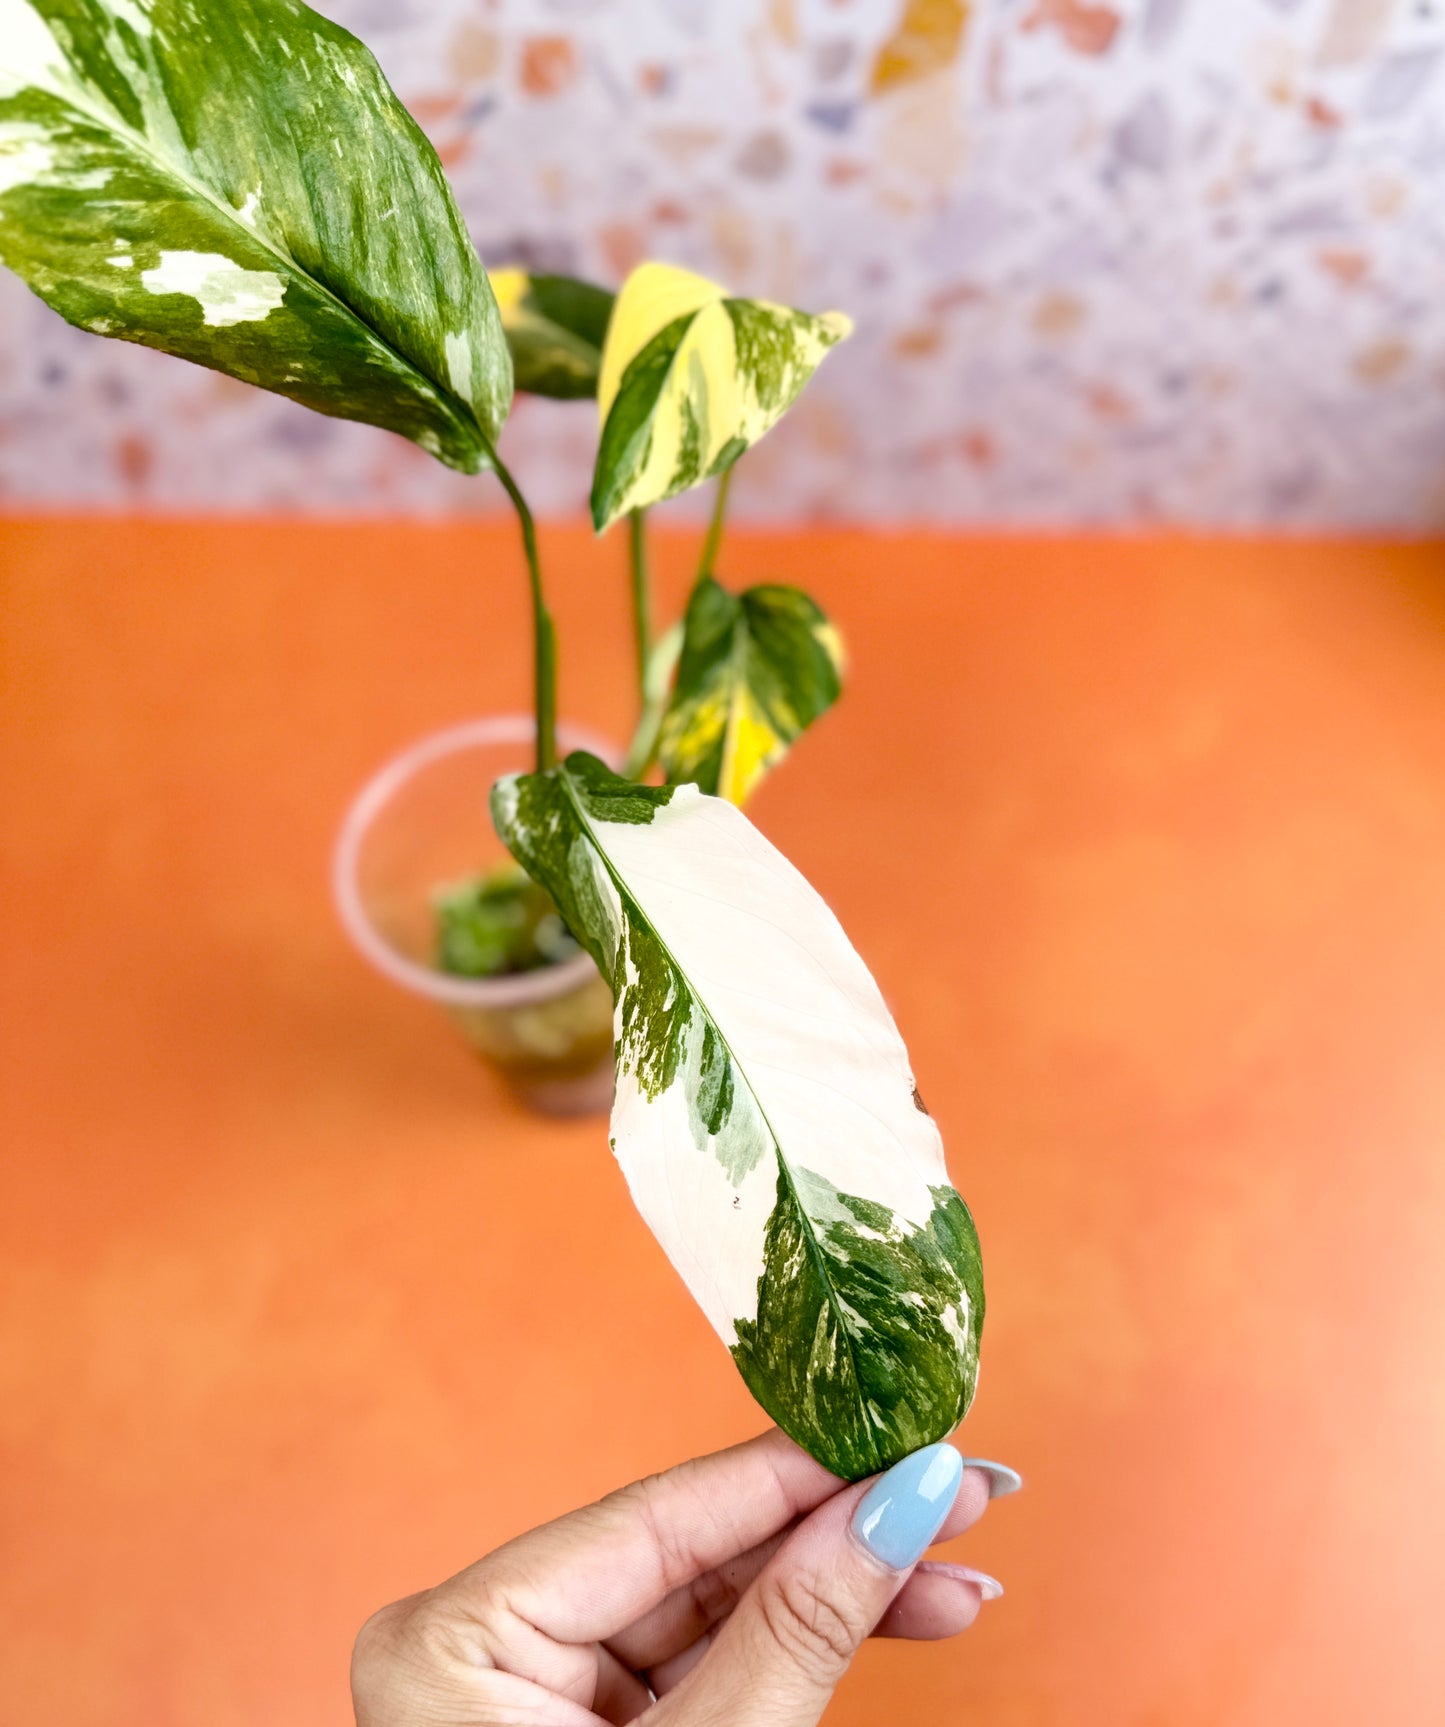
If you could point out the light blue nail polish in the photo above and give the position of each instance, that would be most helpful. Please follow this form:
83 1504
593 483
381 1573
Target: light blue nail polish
1001 1479
901 1513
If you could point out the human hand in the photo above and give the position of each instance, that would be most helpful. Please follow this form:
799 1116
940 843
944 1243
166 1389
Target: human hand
733 1589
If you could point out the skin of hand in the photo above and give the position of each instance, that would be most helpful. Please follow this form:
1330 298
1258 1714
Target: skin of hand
734 1589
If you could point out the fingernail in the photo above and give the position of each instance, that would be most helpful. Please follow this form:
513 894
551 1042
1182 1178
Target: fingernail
989 1587
1001 1479
901 1512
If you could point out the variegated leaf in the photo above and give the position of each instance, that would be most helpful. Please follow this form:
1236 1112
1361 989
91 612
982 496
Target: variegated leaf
690 378
233 181
757 669
765 1115
555 328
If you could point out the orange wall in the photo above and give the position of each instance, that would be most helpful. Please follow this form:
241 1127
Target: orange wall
1145 840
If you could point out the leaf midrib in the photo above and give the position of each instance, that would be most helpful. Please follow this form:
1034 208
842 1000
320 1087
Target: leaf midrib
785 1169
643 435
107 119
683 323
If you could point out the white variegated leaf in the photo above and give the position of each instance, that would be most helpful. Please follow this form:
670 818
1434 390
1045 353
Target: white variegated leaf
233 181
765 1115
692 376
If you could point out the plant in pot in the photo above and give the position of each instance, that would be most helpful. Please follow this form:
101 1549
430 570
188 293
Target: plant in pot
722 693
233 181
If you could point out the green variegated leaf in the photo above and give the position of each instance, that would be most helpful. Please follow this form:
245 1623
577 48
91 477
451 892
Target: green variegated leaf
233 181
690 378
555 328
765 1116
757 669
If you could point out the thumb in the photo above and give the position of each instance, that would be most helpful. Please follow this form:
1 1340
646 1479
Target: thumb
780 1656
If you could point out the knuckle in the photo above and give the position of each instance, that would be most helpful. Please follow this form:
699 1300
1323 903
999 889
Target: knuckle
381 1638
440 1639
647 1500
411 1649
384 1650
817 1634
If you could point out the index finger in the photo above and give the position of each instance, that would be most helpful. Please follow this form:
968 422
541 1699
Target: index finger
587 1575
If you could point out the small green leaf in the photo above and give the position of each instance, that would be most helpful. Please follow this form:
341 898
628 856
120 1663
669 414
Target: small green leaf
498 924
690 379
555 328
765 1114
233 181
757 669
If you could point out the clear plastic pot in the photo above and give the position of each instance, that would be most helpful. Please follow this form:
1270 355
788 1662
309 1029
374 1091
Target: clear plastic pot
422 823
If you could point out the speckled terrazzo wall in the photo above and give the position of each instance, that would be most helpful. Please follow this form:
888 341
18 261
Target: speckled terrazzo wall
1110 260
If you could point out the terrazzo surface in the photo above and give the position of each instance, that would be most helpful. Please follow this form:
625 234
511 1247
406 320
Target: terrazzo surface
1110 262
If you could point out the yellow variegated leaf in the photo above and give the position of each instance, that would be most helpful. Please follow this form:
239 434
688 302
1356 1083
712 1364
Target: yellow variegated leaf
692 376
651 298
756 670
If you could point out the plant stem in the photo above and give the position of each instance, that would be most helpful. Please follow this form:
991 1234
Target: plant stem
544 632
662 664
641 599
715 526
